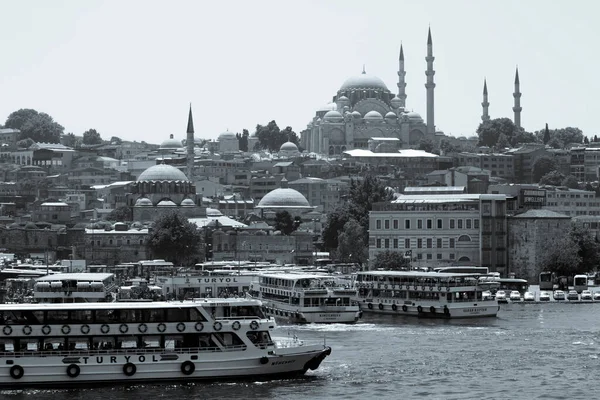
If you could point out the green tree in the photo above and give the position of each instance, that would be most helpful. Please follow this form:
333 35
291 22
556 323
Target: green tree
175 239
25 143
588 248
448 147
352 247
284 222
40 127
270 137
570 181
489 131
91 136
115 140
546 135
391 260
542 166
502 142
427 145
554 178
69 139
120 214
243 140
560 255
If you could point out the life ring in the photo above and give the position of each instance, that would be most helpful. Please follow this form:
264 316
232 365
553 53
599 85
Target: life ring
264 360
217 326
27 330
66 329
143 328
370 305
236 325
180 327
73 370
105 328
446 310
85 329
123 328
439 288
431 288
380 306
385 286
432 309
423 287
415 287
187 367
394 307
419 309
161 327
7 330
254 325
17 372
199 326
447 288
46 329
404 308
129 369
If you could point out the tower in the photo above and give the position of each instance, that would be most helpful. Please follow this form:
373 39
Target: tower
517 96
430 85
190 144
401 79
485 104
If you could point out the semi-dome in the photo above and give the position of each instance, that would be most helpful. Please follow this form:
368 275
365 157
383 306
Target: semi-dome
162 172
227 136
373 115
288 146
391 115
171 143
414 116
356 114
283 198
166 203
143 202
188 203
396 102
363 81
333 116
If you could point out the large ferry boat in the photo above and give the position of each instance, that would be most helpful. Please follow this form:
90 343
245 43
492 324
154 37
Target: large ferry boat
424 294
145 342
306 298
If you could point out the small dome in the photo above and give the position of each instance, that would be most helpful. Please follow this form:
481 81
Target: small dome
283 198
373 115
289 146
162 172
213 212
396 102
363 81
188 203
414 116
171 143
333 116
143 202
391 115
356 114
227 136
166 203
30 225
343 98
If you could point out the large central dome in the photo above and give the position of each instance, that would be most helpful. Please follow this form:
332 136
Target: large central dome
283 198
363 81
162 172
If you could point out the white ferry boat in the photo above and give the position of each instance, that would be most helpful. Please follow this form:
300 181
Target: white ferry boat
75 287
306 298
145 342
424 294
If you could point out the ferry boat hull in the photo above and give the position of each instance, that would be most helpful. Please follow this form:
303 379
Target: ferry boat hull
465 310
312 315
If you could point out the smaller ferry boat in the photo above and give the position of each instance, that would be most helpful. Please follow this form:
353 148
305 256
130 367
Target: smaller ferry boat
306 298
424 294
79 287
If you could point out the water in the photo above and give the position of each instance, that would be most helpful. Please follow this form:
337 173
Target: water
546 350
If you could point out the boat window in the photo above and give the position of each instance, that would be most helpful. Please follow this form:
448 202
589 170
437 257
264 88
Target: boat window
78 343
154 315
228 339
57 316
82 316
104 316
150 342
126 342
7 345
177 315
259 338
103 342
196 315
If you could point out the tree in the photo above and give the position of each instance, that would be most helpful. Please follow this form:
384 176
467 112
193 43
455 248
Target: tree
570 181
542 166
546 135
270 137
175 239
589 248
426 144
120 214
553 178
40 127
243 140
91 136
502 142
560 138
69 140
489 131
284 222
115 140
391 260
25 143
560 256
351 244
448 147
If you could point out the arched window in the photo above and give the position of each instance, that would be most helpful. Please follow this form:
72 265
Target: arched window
464 238
464 258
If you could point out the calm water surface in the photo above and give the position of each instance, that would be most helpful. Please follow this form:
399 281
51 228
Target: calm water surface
548 351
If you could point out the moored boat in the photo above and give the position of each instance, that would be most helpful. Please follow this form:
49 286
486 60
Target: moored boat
145 342
424 294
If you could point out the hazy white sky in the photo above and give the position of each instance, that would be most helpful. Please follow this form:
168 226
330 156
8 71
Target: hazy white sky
130 68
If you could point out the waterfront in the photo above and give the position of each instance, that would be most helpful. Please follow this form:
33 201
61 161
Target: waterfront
543 350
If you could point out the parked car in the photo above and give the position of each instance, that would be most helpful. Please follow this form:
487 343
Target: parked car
573 295
515 295
596 296
558 295
544 296
528 296
486 295
586 295
501 296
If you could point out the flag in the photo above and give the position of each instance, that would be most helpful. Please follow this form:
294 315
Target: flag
408 254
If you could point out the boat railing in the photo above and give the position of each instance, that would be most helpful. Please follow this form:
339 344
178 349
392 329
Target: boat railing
287 343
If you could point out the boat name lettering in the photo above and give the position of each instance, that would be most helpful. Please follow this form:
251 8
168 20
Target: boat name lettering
115 360
330 315
216 280
474 310
283 362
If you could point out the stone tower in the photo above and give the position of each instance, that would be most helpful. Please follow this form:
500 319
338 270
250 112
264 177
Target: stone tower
430 85
190 144
401 79
517 95
485 104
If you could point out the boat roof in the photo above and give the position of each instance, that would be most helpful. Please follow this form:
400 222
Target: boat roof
129 304
83 276
419 274
293 276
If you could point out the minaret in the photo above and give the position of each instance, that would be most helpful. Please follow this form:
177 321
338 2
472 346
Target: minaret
430 85
190 144
401 79
485 104
517 95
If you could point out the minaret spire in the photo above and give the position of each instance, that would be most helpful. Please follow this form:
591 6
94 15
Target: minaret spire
517 96
190 144
430 85
485 104
364 71
401 78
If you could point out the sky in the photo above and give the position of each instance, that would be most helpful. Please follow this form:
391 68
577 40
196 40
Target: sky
131 68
